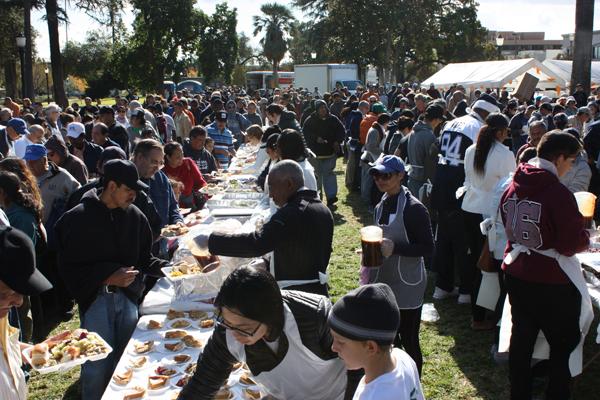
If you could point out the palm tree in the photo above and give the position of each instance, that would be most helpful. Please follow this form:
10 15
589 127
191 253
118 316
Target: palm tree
582 52
277 21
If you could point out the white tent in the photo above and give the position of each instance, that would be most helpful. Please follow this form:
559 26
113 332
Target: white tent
492 74
563 69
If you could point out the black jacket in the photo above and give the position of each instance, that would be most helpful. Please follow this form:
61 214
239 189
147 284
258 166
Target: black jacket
216 362
142 201
299 234
91 154
94 241
288 120
321 134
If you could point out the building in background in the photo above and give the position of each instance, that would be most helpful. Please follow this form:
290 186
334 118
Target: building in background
526 45
569 39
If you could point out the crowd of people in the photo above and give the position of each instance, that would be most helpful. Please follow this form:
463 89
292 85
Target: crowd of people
462 185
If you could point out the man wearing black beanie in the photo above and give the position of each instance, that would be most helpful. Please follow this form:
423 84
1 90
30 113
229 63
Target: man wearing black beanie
364 324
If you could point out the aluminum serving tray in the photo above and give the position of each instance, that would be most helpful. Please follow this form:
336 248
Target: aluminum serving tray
242 196
231 203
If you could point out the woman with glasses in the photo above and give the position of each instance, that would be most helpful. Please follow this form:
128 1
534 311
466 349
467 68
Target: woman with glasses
407 238
281 335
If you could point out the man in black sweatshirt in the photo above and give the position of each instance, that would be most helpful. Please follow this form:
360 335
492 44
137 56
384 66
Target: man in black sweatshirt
299 234
104 244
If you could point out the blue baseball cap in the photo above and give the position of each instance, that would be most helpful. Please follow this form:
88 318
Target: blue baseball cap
387 165
35 152
19 125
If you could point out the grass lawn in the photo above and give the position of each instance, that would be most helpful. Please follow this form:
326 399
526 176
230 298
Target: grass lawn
457 360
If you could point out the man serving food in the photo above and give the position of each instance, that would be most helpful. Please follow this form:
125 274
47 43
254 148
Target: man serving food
299 234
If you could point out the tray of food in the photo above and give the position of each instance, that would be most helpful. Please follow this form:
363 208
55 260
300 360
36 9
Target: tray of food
187 269
212 189
242 196
66 350
231 203
174 230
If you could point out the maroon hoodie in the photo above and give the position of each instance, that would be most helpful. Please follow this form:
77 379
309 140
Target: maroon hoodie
541 213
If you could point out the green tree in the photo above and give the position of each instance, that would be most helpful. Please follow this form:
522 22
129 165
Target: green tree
88 59
218 46
399 37
276 22
164 33
307 38
11 20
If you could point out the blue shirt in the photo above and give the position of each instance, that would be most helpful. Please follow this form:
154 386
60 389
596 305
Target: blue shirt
161 194
223 141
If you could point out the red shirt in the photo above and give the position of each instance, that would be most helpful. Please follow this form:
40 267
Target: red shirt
188 174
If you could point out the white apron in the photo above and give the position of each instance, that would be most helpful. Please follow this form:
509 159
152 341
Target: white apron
404 275
572 268
12 379
301 375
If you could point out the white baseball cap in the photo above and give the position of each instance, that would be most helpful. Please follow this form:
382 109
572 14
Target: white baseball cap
75 129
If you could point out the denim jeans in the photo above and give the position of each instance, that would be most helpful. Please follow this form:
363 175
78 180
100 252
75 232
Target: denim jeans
326 181
366 183
114 317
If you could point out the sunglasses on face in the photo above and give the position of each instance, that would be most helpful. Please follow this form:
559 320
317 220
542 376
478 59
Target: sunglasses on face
383 177
220 321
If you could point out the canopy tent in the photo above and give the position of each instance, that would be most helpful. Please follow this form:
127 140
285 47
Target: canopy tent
493 74
563 69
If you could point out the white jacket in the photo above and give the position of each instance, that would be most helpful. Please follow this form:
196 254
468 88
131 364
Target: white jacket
480 188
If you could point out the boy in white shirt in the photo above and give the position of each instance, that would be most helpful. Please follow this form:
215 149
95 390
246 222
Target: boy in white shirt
363 324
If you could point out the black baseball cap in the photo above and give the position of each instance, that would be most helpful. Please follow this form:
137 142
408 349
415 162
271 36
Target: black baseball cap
125 172
221 116
17 263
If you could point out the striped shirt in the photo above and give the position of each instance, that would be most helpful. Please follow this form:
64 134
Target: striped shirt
223 141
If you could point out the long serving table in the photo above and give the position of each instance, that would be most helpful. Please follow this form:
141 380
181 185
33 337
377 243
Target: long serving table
165 296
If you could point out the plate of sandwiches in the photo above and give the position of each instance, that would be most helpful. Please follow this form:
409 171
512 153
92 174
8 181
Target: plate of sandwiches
134 393
172 346
151 323
122 378
208 323
178 359
158 384
138 363
192 342
174 334
180 323
142 347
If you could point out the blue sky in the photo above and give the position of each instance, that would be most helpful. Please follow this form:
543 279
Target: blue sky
554 17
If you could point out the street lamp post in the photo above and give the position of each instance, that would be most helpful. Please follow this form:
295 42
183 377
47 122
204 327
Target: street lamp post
499 41
46 71
21 42
313 55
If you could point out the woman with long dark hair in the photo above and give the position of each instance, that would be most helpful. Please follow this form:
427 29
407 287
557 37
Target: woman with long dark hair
486 163
24 212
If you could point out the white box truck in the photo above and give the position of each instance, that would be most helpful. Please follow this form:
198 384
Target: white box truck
326 77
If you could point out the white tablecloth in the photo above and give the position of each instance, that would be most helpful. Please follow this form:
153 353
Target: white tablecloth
161 356
593 283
